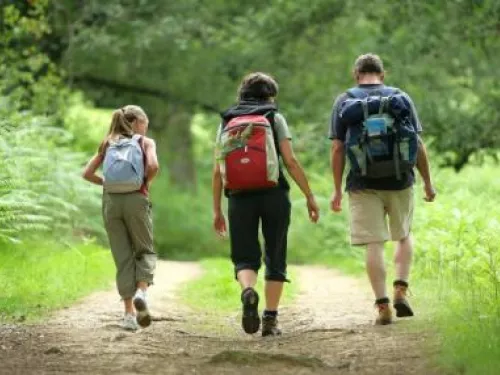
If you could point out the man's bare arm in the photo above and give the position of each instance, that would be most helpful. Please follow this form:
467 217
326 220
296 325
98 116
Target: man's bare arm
338 165
424 170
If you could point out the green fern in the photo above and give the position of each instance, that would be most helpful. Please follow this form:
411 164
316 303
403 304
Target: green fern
41 190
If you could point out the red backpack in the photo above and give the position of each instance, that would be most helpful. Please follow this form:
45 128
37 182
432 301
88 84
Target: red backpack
247 154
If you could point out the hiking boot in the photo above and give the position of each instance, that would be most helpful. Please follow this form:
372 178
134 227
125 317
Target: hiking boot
141 306
270 326
384 312
129 322
250 320
401 304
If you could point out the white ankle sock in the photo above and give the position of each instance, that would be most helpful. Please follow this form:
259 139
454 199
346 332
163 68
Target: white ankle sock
140 294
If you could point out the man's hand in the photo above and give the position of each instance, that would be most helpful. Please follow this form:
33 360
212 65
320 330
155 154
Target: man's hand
220 224
430 193
336 201
313 209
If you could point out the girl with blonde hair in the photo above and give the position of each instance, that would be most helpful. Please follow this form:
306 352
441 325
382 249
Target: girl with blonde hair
130 164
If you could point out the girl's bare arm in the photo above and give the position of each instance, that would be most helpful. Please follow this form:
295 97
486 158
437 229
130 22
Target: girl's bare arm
89 173
152 165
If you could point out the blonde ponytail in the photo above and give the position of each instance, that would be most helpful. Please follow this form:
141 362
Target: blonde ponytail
122 122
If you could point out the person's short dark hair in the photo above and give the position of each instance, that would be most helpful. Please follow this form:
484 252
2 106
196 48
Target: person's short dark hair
368 63
258 86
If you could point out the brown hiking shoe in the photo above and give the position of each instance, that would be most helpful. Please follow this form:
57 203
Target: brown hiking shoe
250 320
401 304
270 326
384 312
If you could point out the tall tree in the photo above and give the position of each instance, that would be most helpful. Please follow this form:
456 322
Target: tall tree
190 55
150 52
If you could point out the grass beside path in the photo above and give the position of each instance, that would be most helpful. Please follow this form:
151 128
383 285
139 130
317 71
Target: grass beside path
217 291
38 278
466 324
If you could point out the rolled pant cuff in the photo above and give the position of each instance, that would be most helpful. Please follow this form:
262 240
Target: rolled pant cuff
281 278
242 267
148 280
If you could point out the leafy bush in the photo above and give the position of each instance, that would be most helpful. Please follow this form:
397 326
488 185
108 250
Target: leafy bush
183 222
458 259
87 124
327 241
41 189
28 78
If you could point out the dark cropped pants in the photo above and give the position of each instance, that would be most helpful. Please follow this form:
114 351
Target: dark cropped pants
272 209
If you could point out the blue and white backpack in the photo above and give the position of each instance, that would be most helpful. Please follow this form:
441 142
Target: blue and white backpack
123 166
381 140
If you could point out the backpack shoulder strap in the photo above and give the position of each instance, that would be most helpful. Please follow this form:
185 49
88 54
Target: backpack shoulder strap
103 147
142 140
271 117
389 91
357 93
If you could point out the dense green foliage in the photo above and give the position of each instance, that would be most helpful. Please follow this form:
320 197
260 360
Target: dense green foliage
45 206
182 62
40 186
441 53
458 258
42 190
29 80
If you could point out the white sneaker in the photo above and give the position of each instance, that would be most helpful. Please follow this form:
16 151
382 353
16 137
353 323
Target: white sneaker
130 322
141 306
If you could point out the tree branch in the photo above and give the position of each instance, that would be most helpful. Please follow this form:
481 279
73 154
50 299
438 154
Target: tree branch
148 91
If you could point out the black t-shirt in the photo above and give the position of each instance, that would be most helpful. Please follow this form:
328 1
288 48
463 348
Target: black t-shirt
338 132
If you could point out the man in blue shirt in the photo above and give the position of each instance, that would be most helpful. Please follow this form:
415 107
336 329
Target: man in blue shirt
371 200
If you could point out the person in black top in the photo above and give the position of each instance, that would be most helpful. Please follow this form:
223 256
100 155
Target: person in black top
271 207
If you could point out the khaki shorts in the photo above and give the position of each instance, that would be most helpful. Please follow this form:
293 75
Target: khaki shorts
369 208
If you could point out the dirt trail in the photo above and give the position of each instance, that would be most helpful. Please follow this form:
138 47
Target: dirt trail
327 331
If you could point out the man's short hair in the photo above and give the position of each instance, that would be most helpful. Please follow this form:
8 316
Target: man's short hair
368 63
258 86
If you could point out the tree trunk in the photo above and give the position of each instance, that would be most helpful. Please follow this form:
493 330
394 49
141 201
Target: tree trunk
171 125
